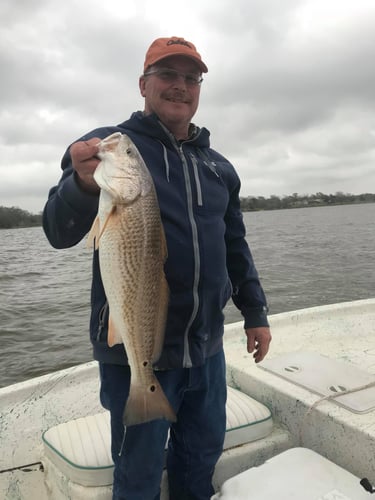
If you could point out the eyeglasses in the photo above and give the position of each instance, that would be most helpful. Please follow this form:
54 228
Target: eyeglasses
171 75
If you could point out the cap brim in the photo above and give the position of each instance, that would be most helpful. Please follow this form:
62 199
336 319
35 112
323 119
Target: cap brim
200 63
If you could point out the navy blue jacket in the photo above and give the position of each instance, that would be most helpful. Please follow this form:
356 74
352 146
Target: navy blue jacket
208 257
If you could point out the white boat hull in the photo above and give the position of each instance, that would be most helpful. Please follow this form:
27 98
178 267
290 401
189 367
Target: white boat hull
344 332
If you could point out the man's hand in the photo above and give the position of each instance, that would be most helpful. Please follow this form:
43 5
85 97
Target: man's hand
85 161
258 342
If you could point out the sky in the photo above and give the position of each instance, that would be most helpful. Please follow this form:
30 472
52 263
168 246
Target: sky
289 97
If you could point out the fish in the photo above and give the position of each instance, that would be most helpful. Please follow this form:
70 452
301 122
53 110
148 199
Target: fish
129 235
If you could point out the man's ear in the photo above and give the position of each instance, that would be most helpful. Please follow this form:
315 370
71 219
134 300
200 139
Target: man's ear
142 86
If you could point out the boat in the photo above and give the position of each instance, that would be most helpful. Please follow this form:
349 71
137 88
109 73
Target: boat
317 383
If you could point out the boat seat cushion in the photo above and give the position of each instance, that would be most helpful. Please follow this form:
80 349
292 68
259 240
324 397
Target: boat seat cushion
80 449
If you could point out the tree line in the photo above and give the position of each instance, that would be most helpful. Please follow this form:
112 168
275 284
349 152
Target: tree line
15 217
251 203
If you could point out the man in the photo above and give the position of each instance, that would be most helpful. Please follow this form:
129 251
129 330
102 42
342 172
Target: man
208 262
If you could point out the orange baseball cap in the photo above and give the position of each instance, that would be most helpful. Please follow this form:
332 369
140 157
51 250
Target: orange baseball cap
173 46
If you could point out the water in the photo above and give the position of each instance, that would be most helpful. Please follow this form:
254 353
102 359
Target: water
305 257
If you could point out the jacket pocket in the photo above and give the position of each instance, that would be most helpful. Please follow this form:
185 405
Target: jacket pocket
102 320
197 180
211 192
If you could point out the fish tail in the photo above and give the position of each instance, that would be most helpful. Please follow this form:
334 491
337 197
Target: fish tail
147 403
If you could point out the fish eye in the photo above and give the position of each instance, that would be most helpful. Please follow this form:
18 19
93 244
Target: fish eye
129 151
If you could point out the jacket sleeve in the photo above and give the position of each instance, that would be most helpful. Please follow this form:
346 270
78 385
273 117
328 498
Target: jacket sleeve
248 294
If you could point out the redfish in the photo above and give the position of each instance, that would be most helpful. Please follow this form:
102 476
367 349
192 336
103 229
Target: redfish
132 251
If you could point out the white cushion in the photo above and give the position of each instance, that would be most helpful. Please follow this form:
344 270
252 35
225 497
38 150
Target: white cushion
247 419
81 448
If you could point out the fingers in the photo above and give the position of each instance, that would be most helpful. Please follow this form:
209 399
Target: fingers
85 160
250 341
84 152
258 342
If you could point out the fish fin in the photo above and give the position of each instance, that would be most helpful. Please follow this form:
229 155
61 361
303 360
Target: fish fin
113 336
147 403
96 231
107 219
93 236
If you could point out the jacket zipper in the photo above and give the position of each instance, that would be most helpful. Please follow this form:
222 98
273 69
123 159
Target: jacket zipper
187 363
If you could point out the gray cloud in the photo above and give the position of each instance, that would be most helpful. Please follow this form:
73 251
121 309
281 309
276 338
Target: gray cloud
289 97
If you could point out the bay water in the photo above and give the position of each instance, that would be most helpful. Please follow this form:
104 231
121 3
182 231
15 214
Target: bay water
305 257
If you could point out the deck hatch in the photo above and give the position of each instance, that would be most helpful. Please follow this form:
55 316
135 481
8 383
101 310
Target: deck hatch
326 377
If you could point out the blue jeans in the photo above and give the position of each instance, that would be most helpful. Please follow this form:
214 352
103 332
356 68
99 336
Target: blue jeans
198 396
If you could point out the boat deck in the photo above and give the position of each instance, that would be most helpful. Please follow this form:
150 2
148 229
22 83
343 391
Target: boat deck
343 332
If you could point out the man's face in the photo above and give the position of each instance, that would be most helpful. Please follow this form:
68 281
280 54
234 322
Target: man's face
173 98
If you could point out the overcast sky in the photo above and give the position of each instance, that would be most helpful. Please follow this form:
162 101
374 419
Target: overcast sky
289 97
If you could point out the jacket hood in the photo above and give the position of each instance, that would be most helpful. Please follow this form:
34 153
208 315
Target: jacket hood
151 126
